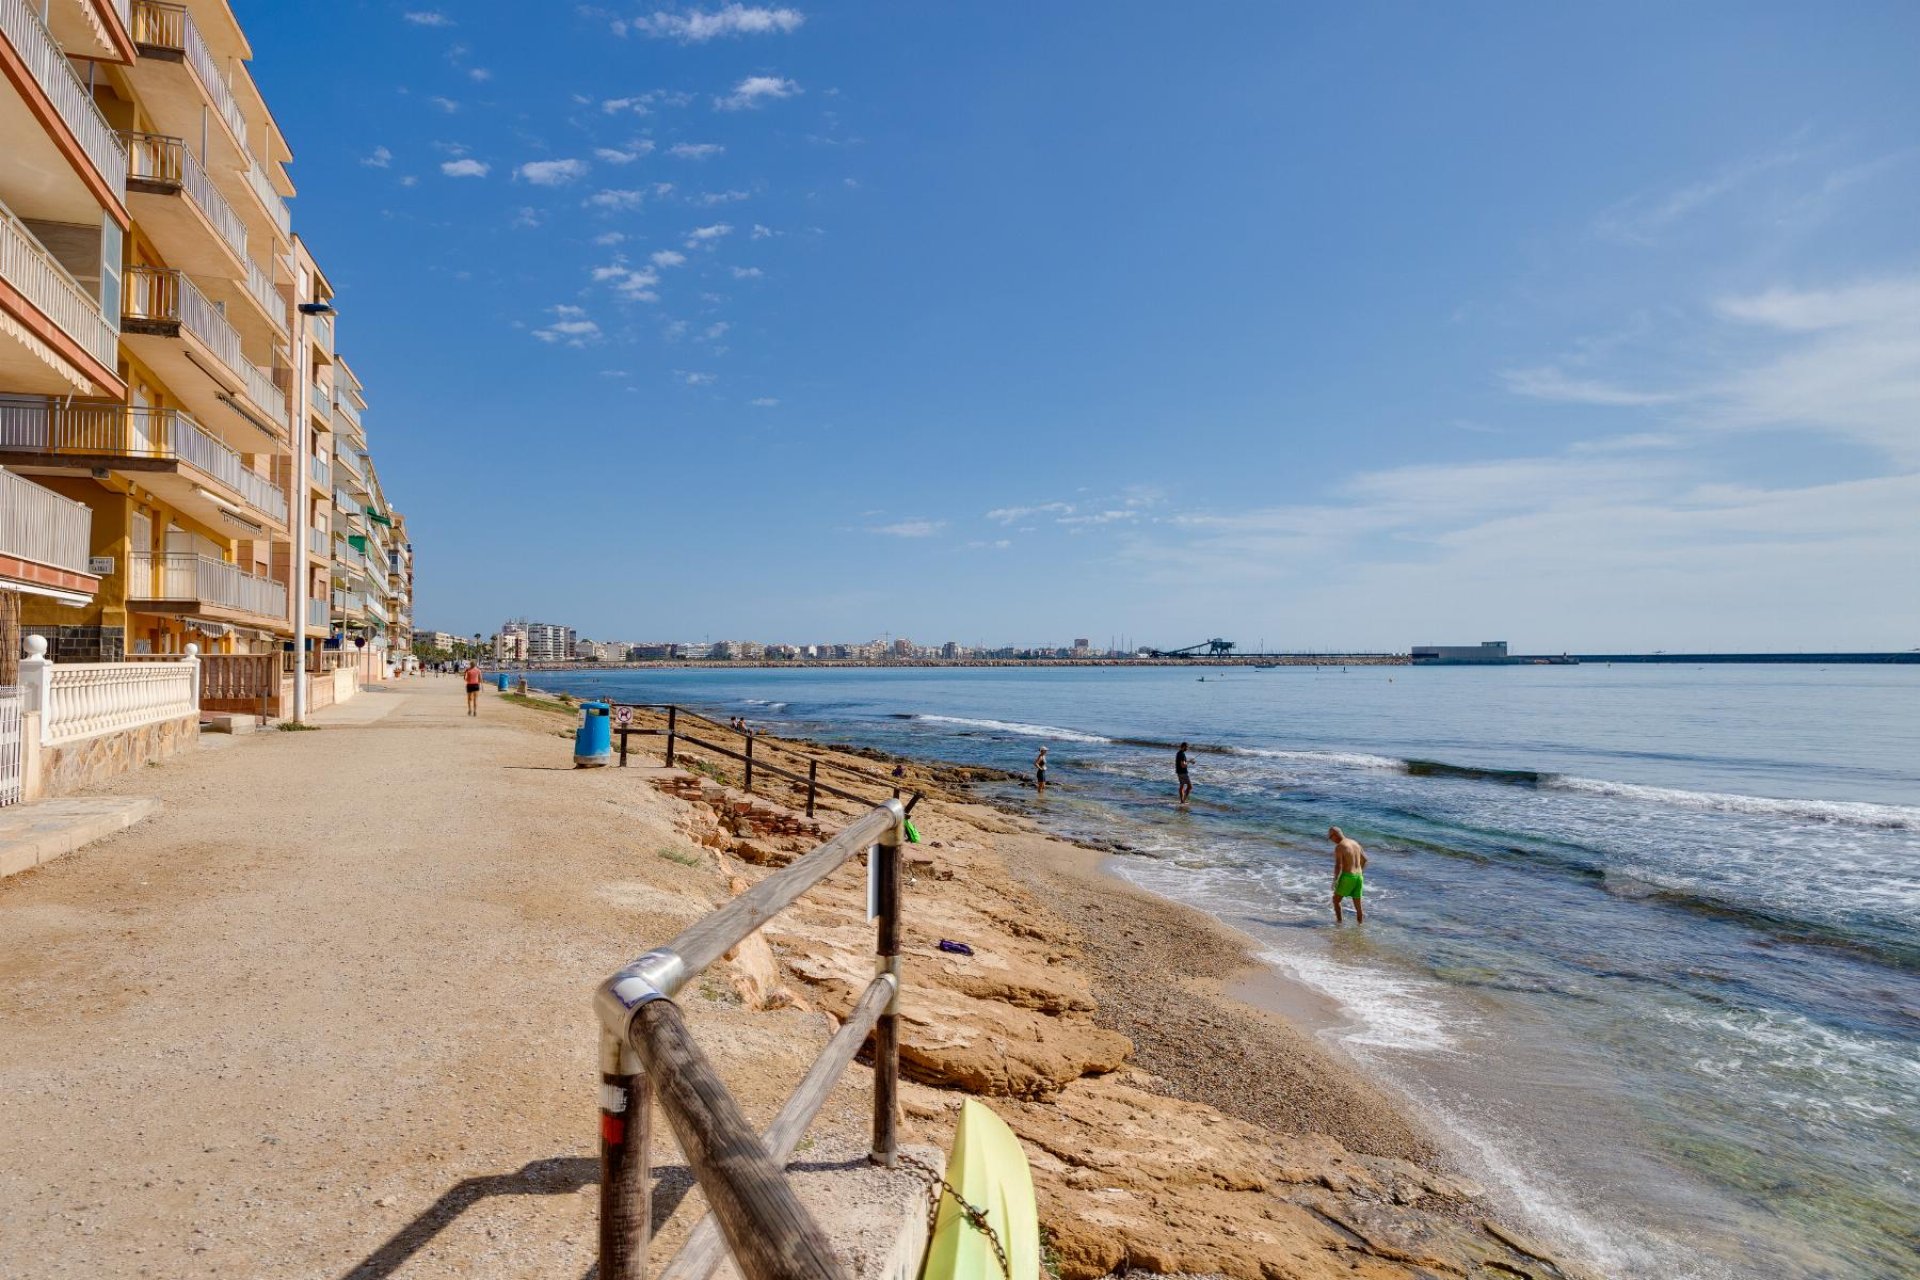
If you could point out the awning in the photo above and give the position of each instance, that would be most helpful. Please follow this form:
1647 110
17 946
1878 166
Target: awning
207 627
375 515
72 599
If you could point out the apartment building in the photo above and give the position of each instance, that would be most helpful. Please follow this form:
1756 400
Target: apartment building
166 342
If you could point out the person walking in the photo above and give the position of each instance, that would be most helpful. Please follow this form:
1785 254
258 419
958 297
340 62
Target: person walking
1180 773
1040 772
1349 874
473 688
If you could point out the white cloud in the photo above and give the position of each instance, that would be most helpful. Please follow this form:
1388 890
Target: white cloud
608 238
615 199
624 155
633 284
716 331
408 180
479 75
428 18
711 198
764 402
909 528
707 237
1641 219
447 105
695 150
527 217
696 26
571 326
552 173
466 167
1549 383
668 258
761 233
1012 515
754 90
747 273
379 159
697 379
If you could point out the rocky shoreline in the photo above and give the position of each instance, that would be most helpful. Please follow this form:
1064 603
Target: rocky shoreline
1171 1129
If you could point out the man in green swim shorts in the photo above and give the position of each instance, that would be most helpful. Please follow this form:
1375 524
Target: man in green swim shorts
1349 874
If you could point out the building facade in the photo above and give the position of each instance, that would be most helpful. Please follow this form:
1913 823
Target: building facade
167 350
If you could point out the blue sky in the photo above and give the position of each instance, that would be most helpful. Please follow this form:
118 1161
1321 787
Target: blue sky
1336 326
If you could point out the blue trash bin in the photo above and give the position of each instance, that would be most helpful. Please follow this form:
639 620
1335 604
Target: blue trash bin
502 683
593 740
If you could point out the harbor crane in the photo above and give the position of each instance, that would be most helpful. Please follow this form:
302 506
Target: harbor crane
1215 648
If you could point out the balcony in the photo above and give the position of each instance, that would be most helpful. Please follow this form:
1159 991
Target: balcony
318 617
37 152
60 343
270 200
186 339
44 539
261 292
320 543
343 409
320 475
320 330
178 207
91 28
184 582
174 456
350 556
177 76
320 405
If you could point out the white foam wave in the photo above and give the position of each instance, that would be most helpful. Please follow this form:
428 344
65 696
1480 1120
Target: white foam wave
1385 1010
1015 727
1352 759
1890 817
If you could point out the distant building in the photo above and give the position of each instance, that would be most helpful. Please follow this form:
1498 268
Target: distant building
438 641
1486 653
548 642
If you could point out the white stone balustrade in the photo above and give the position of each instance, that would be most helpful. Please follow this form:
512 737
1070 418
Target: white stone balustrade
79 700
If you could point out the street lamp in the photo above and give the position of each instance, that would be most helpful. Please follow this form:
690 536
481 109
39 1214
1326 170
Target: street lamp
303 575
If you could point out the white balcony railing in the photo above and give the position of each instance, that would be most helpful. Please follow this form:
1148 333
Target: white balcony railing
93 429
319 542
375 607
260 285
317 615
322 473
186 575
348 554
153 157
322 401
322 332
29 268
42 526
170 26
275 206
35 45
343 408
93 699
159 295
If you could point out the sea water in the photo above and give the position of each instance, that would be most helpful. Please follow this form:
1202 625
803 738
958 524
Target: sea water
1643 941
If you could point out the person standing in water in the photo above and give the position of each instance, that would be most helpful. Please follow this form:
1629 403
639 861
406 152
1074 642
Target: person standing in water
1040 772
1180 773
1349 874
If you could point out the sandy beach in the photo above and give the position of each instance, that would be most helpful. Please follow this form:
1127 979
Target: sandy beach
282 1030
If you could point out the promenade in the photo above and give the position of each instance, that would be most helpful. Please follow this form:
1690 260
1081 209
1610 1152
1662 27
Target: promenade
327 1014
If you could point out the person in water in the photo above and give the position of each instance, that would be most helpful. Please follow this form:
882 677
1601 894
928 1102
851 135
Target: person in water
1180 773
1040 772
1349 874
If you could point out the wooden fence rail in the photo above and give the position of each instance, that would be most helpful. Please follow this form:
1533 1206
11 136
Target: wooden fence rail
647 1054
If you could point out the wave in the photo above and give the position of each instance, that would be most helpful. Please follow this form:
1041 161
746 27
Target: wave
1356 759
1886 817
1015 727
762 702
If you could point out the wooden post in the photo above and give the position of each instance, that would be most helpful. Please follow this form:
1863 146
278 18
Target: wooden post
813 780
749 762
768 1231
671 713
623 746
886 1032
626 1184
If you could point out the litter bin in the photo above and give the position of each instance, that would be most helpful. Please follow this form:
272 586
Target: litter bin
593 740
502 683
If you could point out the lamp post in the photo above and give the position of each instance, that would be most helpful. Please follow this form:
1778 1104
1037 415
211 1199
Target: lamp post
301 576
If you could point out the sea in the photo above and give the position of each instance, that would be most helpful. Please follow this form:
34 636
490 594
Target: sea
1642 941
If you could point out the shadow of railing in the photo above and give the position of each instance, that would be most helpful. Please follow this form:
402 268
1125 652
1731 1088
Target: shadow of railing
564 1175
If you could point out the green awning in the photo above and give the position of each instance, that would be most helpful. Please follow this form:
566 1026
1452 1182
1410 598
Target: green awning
375 515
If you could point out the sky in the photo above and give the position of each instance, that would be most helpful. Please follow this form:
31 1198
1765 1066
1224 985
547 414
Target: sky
1340 326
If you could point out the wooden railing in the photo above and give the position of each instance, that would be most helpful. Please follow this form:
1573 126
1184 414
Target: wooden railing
647 1054
675 732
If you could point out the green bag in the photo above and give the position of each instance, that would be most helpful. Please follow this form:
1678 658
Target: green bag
913 834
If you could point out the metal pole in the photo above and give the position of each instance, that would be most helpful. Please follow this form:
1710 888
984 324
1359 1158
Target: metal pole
813 777
671 713
626 1189
297 575
623 746
749 762
886 1032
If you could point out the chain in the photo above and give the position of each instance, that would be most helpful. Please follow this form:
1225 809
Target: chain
977 1218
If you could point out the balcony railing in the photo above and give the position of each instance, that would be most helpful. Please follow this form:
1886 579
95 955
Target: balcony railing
30 269
322 332
375 607
320 542
322 473
263 188
40 525
348 554
343 408
346 460
170 26
260 285
155 294
55 75
322 400
317 614
117 431
154 157
187 575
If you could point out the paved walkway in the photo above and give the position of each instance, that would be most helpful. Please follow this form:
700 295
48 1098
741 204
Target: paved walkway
327 1013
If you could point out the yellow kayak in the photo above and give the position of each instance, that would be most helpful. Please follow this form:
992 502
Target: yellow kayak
988 1168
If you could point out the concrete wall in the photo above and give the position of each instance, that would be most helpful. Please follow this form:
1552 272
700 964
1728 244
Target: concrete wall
74 766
